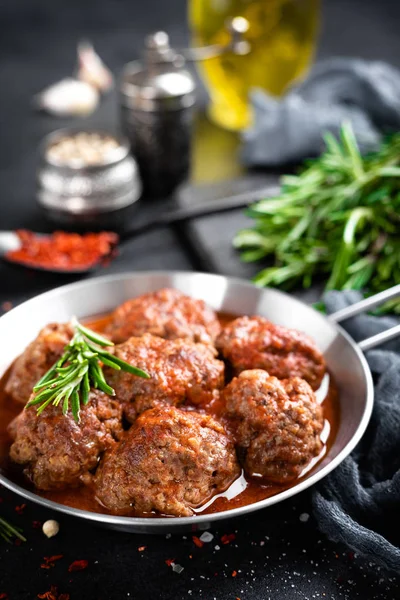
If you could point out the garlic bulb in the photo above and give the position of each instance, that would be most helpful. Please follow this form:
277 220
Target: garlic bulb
68 97
92 69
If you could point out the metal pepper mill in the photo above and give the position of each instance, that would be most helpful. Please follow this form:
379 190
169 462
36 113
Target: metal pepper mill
157 97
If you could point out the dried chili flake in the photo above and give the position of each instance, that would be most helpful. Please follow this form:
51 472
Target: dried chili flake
49 561
63 597
234 573
37 524
142 548
3 596
227 538
197 541
17 542
51 594
78 565
169 562
6 306
62 250
20 509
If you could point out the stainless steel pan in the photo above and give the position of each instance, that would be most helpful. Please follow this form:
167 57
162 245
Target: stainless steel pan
344 358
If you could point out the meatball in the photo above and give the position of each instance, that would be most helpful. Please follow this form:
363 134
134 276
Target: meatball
166 313
179 371
37 358
56 451
276 424
255 343
170 461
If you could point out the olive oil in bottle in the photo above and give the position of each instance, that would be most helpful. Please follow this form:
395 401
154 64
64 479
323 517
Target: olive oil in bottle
282 35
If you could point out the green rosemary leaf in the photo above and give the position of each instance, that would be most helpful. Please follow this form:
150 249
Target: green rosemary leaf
43 405
75 405
126 366
100 380
46 377
85 388
110 363
93 337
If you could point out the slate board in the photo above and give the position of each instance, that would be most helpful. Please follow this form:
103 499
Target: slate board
210 238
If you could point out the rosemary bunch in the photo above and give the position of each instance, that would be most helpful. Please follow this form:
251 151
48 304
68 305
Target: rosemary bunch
7 531
69 380
339 218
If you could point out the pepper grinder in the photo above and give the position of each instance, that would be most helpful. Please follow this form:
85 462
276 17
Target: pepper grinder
157 98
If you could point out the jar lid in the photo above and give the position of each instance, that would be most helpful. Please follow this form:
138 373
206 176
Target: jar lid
159 82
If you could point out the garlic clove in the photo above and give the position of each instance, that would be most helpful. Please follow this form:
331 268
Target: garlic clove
91 68
68 97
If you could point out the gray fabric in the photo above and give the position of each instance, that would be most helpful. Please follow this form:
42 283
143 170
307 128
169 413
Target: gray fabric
290 129
359 503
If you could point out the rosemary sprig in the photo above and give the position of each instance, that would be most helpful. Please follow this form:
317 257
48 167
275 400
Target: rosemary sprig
7 531
70 379
339 219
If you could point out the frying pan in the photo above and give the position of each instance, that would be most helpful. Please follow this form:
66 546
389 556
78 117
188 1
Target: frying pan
345 361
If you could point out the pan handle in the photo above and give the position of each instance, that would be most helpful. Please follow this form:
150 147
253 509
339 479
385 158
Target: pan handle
366 304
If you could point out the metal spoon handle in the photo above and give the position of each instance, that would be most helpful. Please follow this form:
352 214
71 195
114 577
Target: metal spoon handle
213 207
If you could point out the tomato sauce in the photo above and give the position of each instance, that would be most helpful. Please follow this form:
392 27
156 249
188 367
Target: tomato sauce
243 491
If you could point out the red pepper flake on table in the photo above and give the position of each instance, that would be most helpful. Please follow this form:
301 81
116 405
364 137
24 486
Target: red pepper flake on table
78 565
49 561
20 509
62 250
197 541
52 594
227 538
169 562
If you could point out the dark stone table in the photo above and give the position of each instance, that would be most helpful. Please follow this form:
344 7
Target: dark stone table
277 553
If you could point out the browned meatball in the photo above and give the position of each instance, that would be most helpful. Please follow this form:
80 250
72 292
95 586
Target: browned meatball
36 359
56 451
170 461
179 371
167 313
276 424
255 343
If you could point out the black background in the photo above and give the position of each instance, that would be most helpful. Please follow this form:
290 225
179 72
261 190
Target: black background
275 554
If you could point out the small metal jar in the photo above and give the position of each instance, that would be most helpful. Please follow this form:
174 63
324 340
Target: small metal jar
87 195
157 96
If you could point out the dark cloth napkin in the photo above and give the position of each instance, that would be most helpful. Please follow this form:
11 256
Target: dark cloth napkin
289 129
359 502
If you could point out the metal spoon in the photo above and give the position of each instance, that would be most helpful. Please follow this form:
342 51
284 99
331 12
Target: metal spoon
9 240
